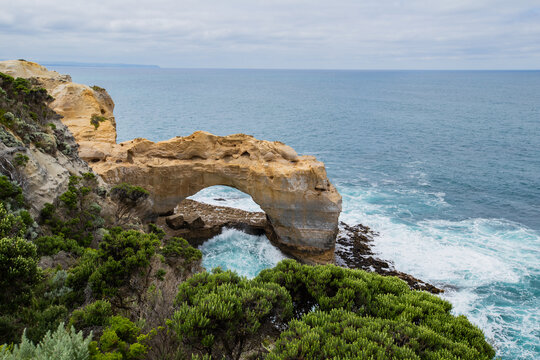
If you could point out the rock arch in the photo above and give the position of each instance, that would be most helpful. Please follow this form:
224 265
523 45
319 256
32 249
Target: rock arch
302 206
300 203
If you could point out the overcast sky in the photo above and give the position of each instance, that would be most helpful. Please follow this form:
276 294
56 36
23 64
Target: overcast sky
305 34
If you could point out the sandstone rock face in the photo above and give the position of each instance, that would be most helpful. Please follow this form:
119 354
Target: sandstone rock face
46 175
294 192
301 205
77 104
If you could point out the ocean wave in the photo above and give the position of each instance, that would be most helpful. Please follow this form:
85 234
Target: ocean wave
235 250
489 267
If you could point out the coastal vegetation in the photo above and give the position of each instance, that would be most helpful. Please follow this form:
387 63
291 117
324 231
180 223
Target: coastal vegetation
87 278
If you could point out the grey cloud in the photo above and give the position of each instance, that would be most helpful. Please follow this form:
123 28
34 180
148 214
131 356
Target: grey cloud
280 34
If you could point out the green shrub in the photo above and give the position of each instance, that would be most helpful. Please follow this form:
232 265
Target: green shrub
221 312
39 322
341 334
51 245
154 229
21 159
121 340
121 253
59 345
160 274
19 272
95 314
10 193
97 88
370 295
77 216
96 120
13 224
179 249
78 275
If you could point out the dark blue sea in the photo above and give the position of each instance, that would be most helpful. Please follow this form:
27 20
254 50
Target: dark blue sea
445 165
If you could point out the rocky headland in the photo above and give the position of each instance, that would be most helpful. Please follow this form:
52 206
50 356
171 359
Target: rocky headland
301 207
301 204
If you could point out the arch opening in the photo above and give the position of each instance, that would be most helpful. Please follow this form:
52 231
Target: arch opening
221 195
229 228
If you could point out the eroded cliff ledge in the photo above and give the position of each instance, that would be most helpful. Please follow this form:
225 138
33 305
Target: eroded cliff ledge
301 205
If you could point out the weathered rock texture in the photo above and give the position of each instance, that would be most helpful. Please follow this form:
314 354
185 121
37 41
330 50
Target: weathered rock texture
302 206
46 175
77 104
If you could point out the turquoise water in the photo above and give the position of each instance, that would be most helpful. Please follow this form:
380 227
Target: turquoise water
444 165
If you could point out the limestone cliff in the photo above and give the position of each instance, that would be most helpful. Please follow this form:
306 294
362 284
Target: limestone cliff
302 206
37 151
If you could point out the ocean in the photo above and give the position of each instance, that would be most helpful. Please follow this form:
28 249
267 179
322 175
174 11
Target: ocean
444 165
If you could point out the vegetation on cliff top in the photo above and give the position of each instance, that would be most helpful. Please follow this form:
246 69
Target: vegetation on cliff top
26 118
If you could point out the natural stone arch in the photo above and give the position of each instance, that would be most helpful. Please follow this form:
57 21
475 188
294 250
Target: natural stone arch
301 205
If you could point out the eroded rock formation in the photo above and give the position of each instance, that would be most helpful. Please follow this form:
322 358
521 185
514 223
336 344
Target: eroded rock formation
302 206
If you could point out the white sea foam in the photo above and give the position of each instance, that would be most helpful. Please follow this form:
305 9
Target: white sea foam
235 250
473 259
485 265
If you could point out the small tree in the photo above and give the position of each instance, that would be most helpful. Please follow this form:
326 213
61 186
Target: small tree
121 254
19 272
129 199
219 313
77 215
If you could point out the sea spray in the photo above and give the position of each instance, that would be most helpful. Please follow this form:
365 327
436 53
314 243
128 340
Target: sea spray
235 250
488 267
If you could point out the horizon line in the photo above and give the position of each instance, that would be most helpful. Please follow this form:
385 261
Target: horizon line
155 66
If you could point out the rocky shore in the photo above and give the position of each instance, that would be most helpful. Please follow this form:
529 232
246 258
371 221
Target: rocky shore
301 206
198 222
354 251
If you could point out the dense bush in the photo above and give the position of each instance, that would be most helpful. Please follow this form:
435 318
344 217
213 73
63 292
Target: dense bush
95 314
51 245
13 224
340 313
178 249
373 296
344 334
10 194
221 312
19 272
122 340
77 217
121 253
59 345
